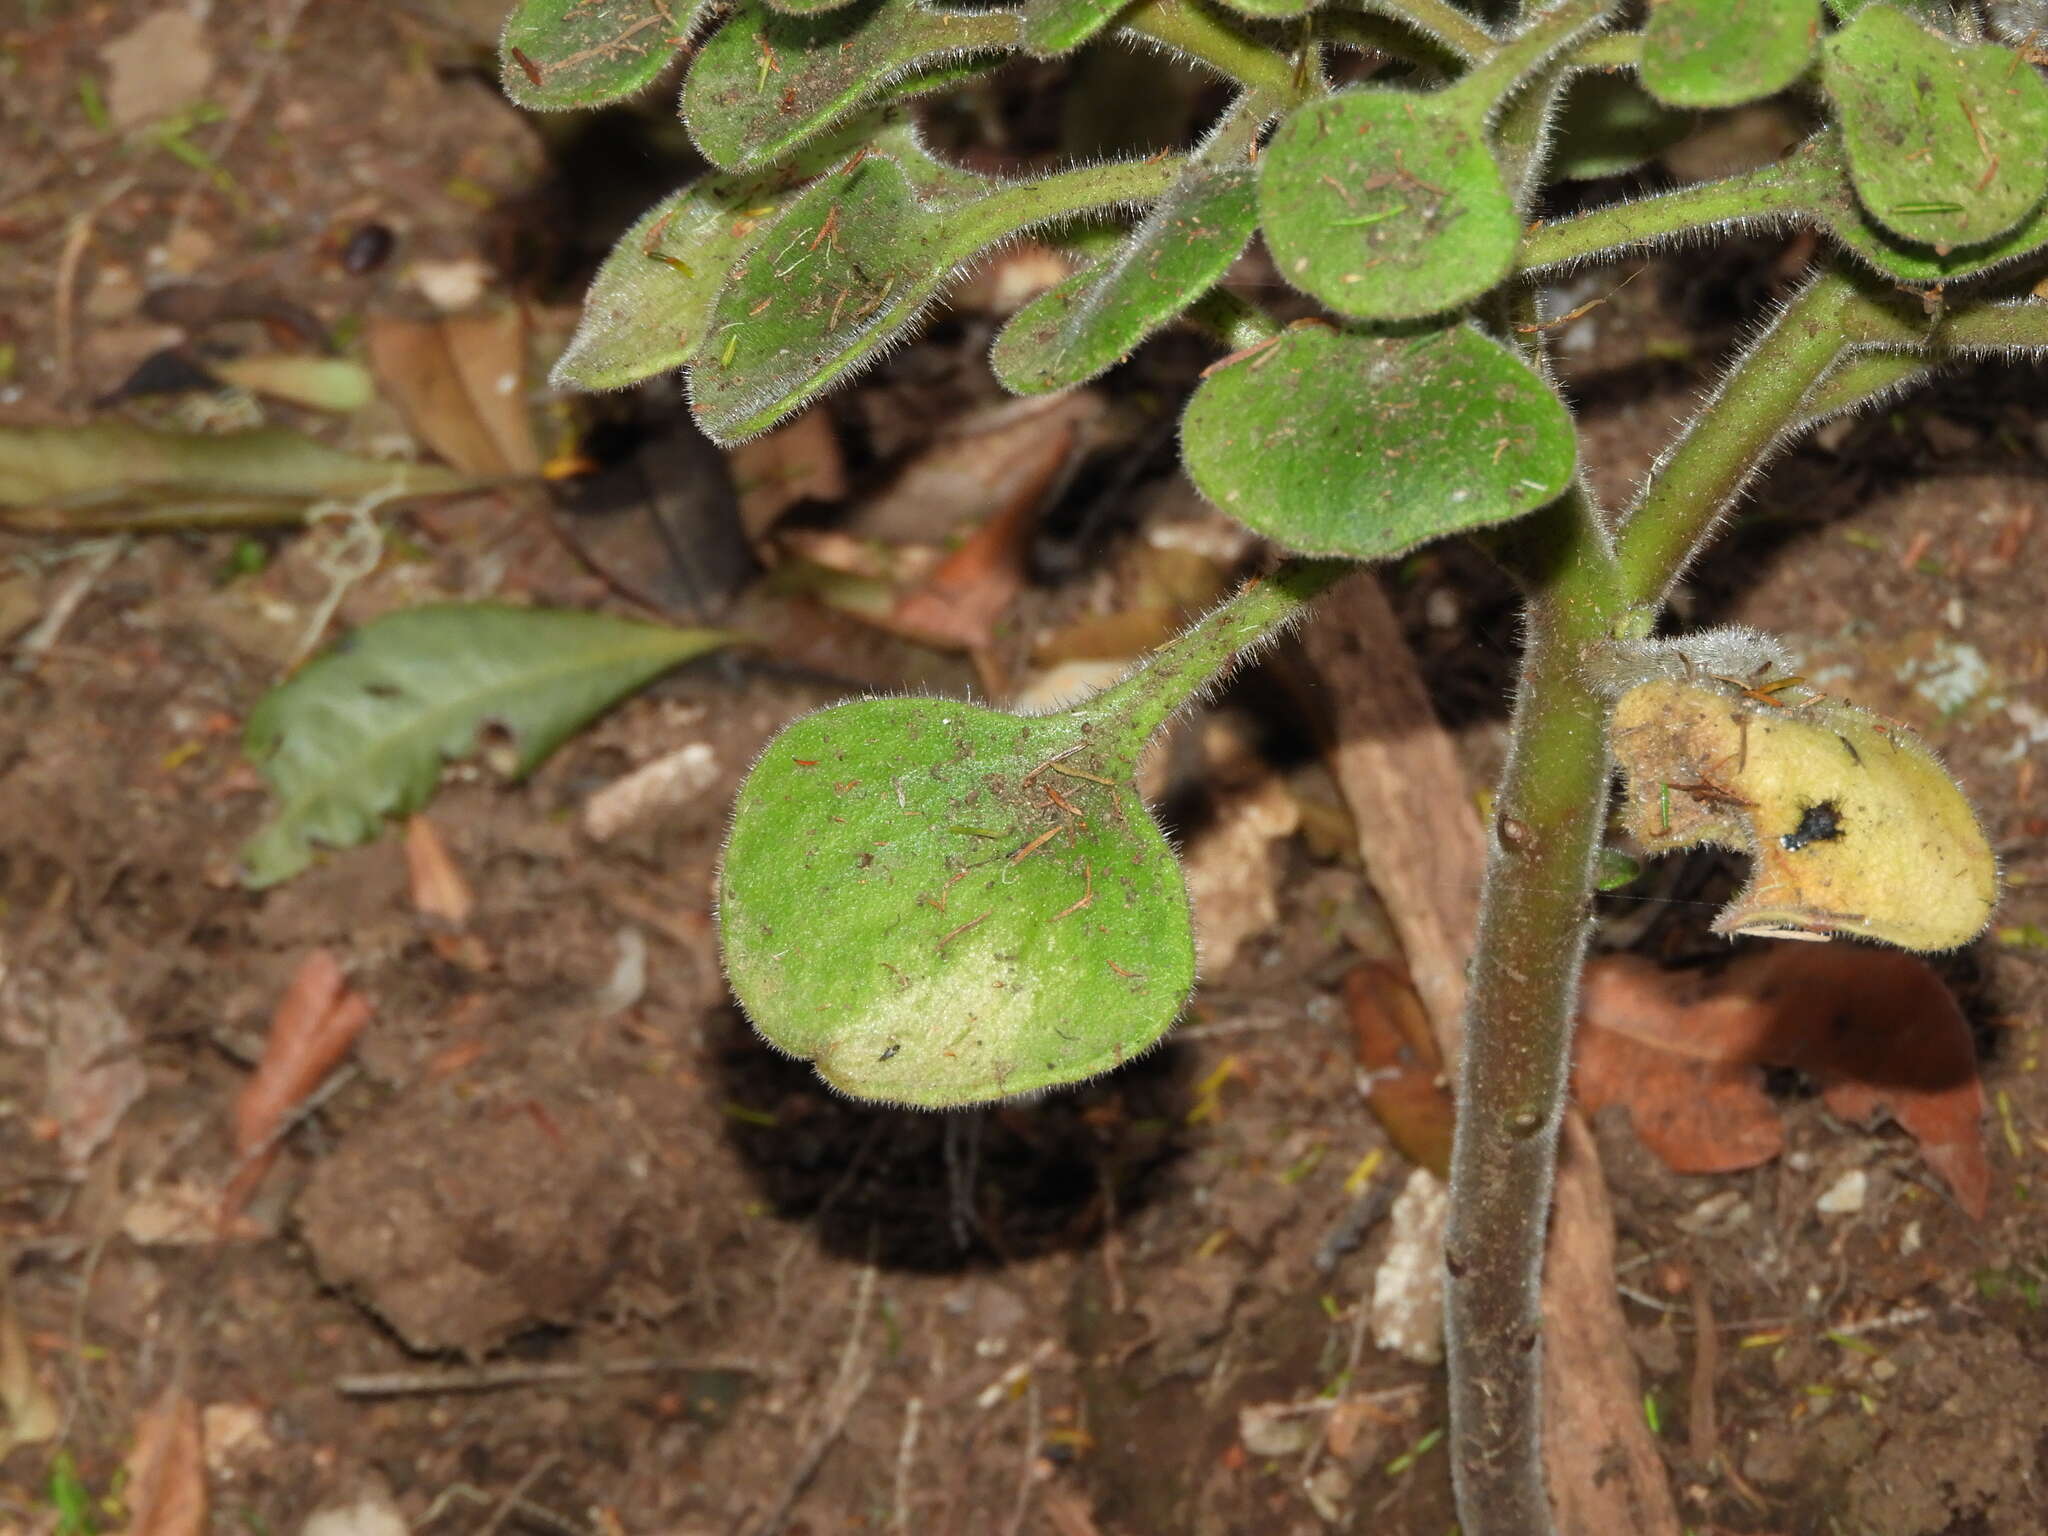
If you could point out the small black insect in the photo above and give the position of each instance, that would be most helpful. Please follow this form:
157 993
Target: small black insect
1820 823
367 249
893 1047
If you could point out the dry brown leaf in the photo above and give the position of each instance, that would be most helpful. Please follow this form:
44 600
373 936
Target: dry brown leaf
797 462
460 383
94 1073
1229 868
1397 1055
313 1028
29 1415
983 465
438 888
1697 1116
1877 1029
964 599
166 1471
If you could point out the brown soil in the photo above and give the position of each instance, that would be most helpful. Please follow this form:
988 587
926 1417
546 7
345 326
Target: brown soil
707 1295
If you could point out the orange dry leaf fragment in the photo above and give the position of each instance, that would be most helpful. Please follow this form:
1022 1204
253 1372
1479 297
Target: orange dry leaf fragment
166 1471
313 1028
438 889
1404 1077
1877 1030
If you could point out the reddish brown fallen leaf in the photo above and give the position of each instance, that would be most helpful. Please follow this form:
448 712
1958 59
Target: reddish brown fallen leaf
1876 1029
313 1028
798 462
1697 1116
166 1483
962 601
1391 1037
438 889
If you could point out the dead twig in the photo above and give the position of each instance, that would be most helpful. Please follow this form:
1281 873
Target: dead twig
498 1378
1704 1433
906 1458
517 1496
1034 1442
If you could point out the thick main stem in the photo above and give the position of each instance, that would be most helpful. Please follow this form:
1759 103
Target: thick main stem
1533 925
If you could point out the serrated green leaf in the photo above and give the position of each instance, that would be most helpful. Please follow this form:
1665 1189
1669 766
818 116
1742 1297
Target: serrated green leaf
850 267
765 82
1054 27
1608 126
1388 204
559 54
1085 325
361 732
651 300
1343 444
1721 53
1947 142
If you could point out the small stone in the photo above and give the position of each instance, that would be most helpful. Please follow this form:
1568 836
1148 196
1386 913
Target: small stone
1846 1195
1910 1240
1408 1289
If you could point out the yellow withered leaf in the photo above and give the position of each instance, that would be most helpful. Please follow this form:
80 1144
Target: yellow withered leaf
1853 825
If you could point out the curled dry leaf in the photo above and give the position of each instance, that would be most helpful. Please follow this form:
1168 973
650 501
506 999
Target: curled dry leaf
439 891
458 381
29 1415
166 1484
1877 1030
313 1028
1398 1064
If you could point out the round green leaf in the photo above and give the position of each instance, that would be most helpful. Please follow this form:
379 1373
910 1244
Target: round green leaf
906 903
1838 209
1090 322
1609 126
1388 205
559 54
1721 53
1341 444
1947 142
764 82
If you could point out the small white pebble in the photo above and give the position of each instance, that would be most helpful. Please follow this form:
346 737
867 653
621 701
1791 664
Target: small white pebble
1910 1239
1846 1195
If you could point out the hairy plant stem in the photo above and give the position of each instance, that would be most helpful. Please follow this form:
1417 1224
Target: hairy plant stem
1757 403
1131 713
1435 19
1768 194
1584 587
1533 922
1190 29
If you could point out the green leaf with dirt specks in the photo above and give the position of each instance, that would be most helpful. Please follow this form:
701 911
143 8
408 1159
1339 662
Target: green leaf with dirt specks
1085 325
650 302
559 54
1388 204
1721 53
1342 444
1836 207
1947 142
764 82
846 271
1054 27
361 732
937 904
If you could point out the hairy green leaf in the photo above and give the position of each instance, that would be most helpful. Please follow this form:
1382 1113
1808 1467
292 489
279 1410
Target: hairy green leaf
559 54
765 82
1085 325
1843 215
1343 444
903 904
1947 142
1387 204
652 298
938 904
1269 10
1054 27
849 268
361 732
1721 53
1609 125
